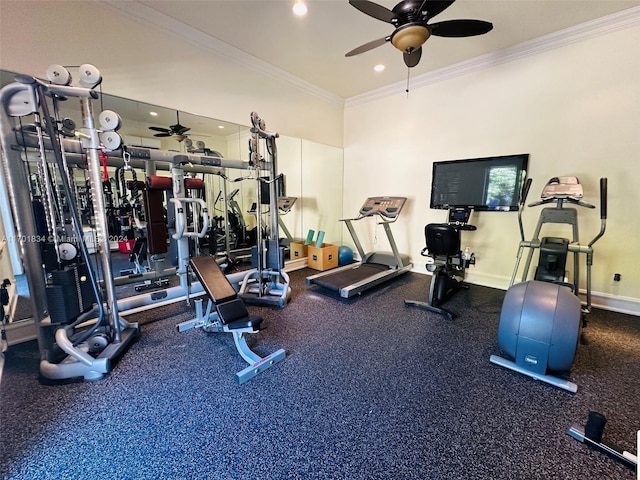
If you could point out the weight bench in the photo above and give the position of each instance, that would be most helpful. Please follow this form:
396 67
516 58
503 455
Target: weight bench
230 316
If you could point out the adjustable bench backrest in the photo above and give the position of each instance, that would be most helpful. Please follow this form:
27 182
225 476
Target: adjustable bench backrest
231 309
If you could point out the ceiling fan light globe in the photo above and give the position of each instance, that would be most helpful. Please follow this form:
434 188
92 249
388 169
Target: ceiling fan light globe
410 37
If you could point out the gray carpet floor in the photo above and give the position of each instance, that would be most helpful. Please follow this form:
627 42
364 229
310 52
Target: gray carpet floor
370 389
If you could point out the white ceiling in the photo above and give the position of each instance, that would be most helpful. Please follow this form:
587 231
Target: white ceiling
313 48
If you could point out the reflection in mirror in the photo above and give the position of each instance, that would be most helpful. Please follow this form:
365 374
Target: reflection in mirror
321 184
312 172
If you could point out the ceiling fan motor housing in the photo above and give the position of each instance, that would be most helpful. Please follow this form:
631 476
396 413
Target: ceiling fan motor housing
410 37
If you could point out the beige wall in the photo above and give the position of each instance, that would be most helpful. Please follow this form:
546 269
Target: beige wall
575 109
141 62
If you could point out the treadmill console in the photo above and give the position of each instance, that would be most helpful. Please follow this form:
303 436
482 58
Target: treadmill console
285 203
388 207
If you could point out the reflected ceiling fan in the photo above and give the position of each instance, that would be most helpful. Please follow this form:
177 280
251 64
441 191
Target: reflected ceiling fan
177 131
412 28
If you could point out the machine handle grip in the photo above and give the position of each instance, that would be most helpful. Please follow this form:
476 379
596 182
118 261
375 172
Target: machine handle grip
525 190
180 224
603 198
205 221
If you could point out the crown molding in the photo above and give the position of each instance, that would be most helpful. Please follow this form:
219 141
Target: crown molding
584 31
145 15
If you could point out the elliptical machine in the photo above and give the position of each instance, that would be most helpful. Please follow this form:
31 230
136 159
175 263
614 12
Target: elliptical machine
447 261
541 318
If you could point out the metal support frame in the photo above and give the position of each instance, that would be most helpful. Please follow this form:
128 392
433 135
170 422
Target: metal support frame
629 459
265 284
210 322
559 215
265 287
111 335
550 379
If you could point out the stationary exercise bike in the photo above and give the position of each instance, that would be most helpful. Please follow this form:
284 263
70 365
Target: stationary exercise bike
448 263
541 318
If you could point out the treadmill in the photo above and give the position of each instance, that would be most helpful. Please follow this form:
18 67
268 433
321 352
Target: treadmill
375 267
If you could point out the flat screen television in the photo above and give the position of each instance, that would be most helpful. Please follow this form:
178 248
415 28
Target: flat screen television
265 189
484 184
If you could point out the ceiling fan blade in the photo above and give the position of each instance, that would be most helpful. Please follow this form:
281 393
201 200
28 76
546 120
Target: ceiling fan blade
460 28
412 59
163 134
373 10
367 46
159 129
435 7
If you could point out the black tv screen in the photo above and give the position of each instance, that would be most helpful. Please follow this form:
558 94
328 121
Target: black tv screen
265 189
485 184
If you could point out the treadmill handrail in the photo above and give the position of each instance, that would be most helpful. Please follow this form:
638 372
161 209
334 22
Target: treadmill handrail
384 218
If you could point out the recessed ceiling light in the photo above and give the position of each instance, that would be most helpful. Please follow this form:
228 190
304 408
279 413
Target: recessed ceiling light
299 8
220 126
379 68
153 114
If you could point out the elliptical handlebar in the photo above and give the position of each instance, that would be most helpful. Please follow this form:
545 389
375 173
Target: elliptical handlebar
525 191
603 211
603 198
523 198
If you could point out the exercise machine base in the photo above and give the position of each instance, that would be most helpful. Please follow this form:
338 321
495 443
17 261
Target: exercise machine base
424 305
256 363
627 458
79 363
209 322
550 379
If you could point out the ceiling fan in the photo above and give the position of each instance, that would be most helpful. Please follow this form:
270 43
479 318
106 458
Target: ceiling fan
177 131
412 28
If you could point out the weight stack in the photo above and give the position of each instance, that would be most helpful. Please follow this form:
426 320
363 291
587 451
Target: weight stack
69 294
274 253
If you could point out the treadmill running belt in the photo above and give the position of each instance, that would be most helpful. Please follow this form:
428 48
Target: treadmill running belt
344 278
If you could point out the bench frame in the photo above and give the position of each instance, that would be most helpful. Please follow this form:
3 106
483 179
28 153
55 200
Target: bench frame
218 288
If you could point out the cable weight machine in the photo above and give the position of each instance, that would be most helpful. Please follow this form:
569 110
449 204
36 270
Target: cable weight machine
77 349
267 283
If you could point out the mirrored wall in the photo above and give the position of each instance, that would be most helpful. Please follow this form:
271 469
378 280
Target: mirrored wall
313 173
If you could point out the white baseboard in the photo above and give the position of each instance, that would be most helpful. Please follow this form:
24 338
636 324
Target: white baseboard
605 301
614 303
